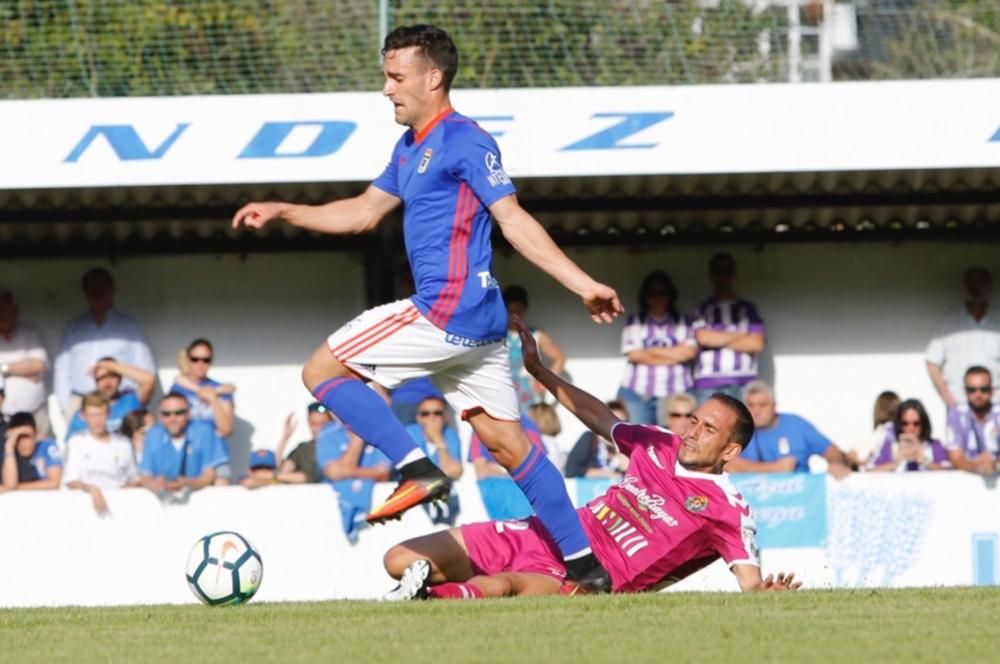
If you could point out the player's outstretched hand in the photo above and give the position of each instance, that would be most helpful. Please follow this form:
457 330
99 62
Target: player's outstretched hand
602 302
529 348
255 215
781 582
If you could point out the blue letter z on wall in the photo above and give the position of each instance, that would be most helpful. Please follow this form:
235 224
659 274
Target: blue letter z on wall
611 138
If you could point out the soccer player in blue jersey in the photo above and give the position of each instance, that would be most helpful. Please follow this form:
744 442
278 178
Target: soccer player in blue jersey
448 174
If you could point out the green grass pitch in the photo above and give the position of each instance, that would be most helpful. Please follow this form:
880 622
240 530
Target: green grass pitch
955 625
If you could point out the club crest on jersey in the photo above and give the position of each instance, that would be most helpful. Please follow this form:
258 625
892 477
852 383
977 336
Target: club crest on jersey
696 503
428 153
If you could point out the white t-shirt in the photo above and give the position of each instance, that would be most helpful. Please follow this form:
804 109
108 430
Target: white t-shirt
108 464
962 341
23 393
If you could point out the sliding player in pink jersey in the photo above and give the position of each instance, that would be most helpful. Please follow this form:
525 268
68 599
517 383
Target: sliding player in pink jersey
673 513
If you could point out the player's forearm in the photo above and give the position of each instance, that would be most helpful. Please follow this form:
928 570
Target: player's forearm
205 479
714 338
663 356
940 384
585 407
343 217
749 342
8 474
531 240
47 484
292 477
222 411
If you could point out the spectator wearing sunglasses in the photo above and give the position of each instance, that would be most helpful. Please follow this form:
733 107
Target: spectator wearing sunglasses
180 454
973 434
911 447
436 438
675 412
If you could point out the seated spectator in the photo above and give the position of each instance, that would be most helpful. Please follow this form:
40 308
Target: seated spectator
883 422
407 396
23 361
135 425
263 470
300 466
659 344
529 391
440 443
102 332
98 459
783 442
973 434
352 468
435 438
675 412
180 455
28 463
108 375
544 415
912 448
210 400
593 456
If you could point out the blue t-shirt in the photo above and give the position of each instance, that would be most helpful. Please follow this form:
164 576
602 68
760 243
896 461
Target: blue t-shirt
791 436
201 411
121 406
204 450
447 177
451 441
45 457
354 494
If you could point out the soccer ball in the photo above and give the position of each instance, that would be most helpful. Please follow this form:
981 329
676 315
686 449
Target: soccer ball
224 568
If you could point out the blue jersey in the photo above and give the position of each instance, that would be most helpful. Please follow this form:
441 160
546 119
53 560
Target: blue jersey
204 450
121 406
354 494
45 457
791 436
447 176
201 411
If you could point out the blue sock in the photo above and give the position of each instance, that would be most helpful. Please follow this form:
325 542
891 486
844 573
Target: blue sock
542 483
365 413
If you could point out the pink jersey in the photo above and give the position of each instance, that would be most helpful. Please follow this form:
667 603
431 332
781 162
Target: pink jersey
662 521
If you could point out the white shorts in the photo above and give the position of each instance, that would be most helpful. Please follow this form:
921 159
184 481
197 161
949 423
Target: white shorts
395 342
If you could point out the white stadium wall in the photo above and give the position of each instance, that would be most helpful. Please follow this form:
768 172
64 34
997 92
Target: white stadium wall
844 321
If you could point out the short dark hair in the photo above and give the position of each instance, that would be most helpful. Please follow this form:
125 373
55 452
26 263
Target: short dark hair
432 43
658 280
721 260
174 394
21 419
515 294
132 422
201 341
744 428
978 369
96 276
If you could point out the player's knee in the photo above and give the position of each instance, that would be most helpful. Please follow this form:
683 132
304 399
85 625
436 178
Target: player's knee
397 559
508 444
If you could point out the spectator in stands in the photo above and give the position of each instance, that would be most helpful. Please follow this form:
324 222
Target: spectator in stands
436 438
23 362
300 466
210 400
973 434
730 335
968 337
884 432
912 448
546 418
593 456
783 442
406 398
134 426
263 470
675 412
529 391
658 343
352 468
180 455
108 375
28 463
98 459
102 332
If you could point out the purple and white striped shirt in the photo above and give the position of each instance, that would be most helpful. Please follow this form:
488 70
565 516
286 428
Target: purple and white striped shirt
656 380
718 367
968 434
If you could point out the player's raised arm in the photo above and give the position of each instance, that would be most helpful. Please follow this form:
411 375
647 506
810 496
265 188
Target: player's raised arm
531 240
587 408
346 216
750 580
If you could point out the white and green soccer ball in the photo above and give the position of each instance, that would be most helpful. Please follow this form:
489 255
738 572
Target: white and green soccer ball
224 568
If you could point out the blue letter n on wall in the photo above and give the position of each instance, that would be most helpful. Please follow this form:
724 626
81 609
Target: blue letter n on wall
125 141
266 143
